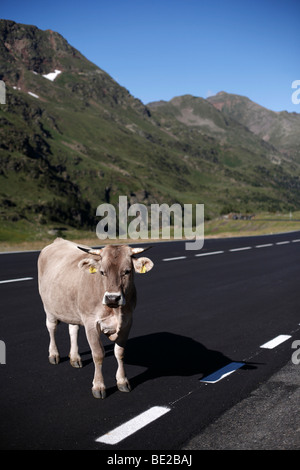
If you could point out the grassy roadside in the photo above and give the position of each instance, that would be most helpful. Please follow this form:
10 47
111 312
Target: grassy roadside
20 237
261 224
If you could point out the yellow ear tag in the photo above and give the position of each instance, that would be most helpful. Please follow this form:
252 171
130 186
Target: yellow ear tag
92 270
143 269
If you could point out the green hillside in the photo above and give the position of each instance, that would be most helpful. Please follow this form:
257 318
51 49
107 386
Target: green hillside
249 173
72 143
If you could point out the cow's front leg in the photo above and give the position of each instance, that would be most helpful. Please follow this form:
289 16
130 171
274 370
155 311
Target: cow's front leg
98 354
122 381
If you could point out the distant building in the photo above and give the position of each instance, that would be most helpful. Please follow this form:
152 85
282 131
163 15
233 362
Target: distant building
234 216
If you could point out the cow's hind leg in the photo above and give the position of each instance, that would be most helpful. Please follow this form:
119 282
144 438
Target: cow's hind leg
75 359
51 324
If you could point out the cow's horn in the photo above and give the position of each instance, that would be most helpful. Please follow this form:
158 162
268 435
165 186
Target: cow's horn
91 251
136 251
95 252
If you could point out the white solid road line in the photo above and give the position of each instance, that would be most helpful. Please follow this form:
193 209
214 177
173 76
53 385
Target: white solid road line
275 342
210 253
133 425
16 280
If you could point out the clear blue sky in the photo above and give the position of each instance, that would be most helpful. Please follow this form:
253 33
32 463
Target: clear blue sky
159 49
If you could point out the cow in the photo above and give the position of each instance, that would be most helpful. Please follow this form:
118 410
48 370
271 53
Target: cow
95 288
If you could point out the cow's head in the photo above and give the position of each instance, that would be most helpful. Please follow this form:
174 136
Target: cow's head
115 265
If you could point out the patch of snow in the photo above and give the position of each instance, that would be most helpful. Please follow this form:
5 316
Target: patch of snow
52 75
33 94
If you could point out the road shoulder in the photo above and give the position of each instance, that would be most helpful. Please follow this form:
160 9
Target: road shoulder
268 419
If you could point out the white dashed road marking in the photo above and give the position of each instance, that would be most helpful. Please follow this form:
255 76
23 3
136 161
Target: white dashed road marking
16 280
133 425
275 342
210 253
264 246
241 249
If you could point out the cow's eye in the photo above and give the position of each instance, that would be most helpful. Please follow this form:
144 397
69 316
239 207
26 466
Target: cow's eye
103 273
126 272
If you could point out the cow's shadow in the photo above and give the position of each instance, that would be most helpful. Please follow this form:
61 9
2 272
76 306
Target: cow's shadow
168 354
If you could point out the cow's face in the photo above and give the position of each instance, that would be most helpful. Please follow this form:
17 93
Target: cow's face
115 266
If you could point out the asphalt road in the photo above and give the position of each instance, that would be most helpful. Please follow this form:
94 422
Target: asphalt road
197 318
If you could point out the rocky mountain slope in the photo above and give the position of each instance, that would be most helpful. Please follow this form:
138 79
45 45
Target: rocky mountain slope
72 138
280 129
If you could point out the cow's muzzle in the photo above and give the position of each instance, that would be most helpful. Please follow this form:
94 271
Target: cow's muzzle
113 299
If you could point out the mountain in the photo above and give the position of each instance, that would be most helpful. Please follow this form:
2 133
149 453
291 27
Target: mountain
253 174
280 129
198 115
71 143
72 138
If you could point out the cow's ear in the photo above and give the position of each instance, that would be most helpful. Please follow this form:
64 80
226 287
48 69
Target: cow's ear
142 265
89 264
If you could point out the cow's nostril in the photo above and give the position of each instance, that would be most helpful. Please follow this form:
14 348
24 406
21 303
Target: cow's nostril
113 298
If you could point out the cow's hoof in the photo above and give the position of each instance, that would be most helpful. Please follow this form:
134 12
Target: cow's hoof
54 359
99 393
124 387
77 364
